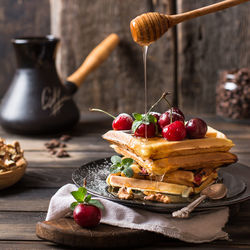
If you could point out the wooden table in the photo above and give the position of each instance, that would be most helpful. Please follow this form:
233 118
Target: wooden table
26 203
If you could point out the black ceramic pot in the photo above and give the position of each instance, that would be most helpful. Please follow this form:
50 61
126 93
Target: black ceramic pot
36 101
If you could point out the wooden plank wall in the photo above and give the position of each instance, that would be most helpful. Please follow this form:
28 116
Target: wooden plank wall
19 18
118 85
206 45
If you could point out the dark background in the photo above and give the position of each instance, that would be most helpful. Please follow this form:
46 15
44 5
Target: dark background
202 47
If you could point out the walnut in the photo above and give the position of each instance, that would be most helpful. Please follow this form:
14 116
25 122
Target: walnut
124 194
21 163
157 197
17 147
11 156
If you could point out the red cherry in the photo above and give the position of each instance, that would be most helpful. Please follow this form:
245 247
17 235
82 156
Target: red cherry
164 119
122 122
156 115
197 179
175 131
196 128
87 215
141 130
178 111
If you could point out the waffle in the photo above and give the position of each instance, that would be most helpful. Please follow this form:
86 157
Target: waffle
158 186
182 177
146 185
188 162
158 148
170 167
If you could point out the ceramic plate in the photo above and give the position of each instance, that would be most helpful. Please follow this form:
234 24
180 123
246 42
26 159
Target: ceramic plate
236 177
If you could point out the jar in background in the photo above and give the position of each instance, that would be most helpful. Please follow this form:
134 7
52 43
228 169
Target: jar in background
233 94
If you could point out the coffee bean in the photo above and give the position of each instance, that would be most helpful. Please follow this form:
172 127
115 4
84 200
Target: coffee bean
65 138
62 153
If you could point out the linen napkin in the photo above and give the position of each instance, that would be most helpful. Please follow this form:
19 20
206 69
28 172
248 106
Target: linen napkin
199 228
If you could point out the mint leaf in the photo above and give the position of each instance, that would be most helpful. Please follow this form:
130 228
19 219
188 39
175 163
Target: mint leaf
152 118
87 198
115 170
128 172
146 121
127 162
73 205
148 118
96 203
115 159
79 194
137 116
135 125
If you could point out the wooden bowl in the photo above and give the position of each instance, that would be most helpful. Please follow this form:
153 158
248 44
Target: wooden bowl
11 177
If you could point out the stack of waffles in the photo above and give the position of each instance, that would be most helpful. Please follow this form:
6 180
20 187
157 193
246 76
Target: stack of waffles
170 167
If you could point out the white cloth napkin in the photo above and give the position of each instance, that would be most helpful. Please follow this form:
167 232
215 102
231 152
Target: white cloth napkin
199 228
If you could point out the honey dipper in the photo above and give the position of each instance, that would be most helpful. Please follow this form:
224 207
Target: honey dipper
150 26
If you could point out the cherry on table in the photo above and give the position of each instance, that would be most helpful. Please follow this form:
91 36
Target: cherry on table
175 131
122 122
141 130
196 128
87 215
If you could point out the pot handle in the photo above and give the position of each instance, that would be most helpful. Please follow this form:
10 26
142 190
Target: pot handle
98 55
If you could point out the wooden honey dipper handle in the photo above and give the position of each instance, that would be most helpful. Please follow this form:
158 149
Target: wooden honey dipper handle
175 19
148 27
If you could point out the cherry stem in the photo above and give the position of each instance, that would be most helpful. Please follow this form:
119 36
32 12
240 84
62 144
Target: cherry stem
168 102
171 112
156 103
102 111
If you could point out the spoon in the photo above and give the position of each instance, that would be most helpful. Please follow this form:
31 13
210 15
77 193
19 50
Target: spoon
150 26
214 192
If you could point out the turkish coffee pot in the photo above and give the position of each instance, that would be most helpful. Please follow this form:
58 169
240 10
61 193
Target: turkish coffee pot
37 102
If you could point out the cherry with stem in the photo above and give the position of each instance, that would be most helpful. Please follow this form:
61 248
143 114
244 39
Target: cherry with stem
122 122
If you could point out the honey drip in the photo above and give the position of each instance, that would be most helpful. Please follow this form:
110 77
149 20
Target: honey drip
144 54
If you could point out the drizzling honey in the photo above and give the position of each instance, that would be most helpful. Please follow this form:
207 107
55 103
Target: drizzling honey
144 55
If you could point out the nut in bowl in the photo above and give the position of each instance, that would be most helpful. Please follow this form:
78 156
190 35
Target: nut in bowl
12 164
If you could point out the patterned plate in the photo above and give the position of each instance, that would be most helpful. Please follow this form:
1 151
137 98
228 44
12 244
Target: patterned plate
236 177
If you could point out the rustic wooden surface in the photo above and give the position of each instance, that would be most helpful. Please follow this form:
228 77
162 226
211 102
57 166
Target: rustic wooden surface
208 45
19 18
26 203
